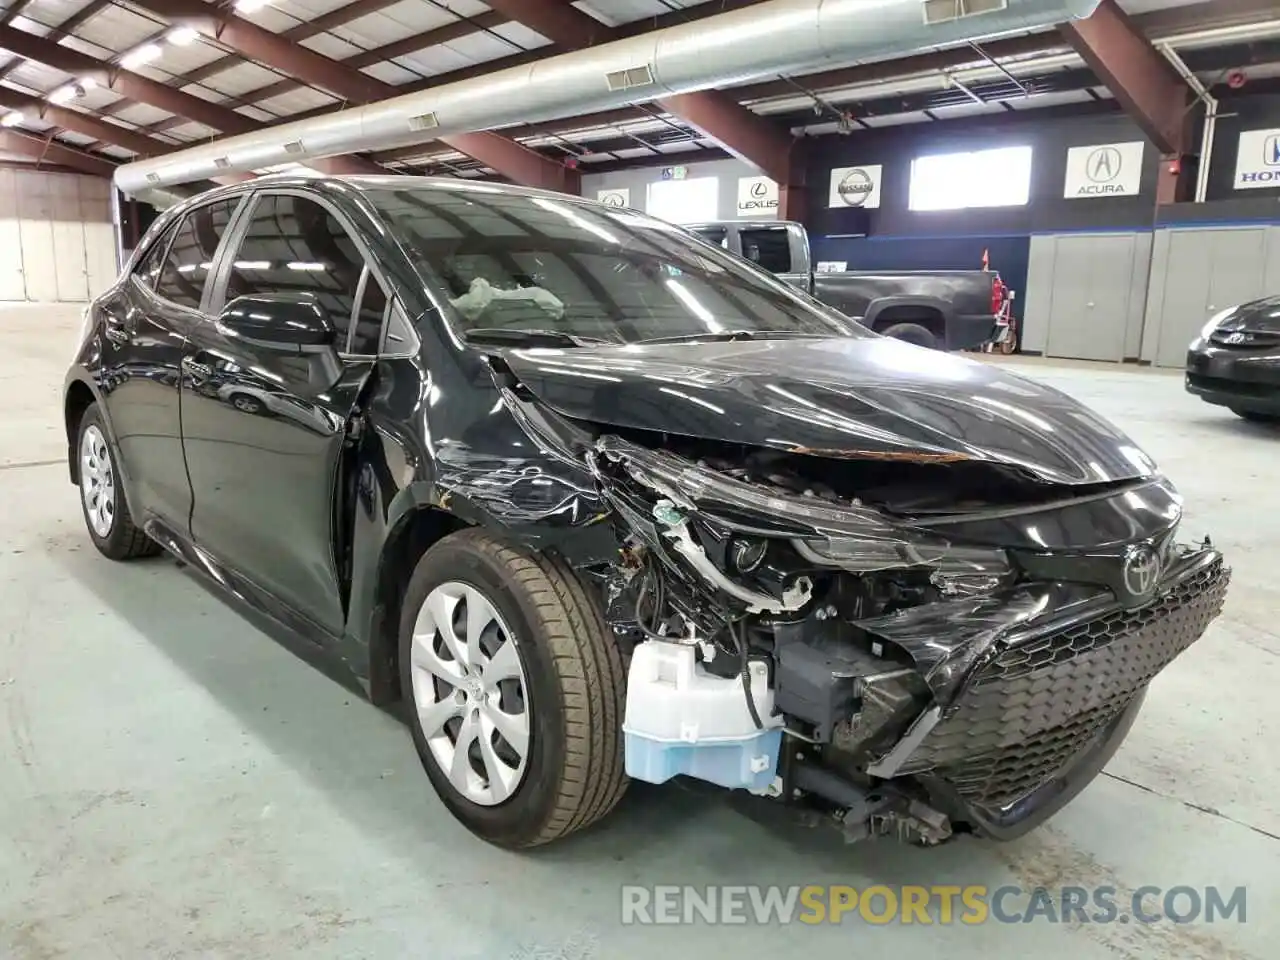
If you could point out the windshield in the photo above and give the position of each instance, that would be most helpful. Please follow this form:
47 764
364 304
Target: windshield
509 263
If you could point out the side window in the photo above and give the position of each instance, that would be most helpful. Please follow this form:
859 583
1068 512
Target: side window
181 279
717 235
149 266
295 245
770 249
373 308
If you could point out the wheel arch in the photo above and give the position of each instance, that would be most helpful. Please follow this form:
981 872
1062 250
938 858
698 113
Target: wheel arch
411 535
929 312
78 397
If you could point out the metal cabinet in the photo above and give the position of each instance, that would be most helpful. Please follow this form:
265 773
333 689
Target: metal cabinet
1085 295
1196 273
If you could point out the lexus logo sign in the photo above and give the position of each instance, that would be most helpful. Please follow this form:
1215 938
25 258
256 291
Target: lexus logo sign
1104 170
757 198
857 187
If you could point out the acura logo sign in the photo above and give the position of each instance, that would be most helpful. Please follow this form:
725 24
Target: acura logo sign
1103 165
1141 570
612 200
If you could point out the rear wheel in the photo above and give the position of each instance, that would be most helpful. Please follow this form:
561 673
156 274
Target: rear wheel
105 512
514 688
915 333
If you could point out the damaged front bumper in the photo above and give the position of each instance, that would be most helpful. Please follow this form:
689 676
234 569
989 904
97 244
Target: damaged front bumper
991 700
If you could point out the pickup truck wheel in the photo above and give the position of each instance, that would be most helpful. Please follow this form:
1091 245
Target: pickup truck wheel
514 688
912 333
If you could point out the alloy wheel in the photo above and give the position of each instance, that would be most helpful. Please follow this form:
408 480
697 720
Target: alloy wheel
471 694
97 482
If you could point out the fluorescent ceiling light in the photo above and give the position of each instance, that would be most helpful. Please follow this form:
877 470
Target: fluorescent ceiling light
144 54
86 83
250 6
12 119
63 94
181 36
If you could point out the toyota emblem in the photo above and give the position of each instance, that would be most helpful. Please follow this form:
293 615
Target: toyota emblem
1141 570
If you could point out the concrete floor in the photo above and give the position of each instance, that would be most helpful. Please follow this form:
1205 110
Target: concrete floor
173 783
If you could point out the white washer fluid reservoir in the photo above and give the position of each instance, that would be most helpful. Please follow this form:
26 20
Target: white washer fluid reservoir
681 719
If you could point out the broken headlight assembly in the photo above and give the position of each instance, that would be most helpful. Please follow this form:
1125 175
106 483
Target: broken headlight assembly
761 545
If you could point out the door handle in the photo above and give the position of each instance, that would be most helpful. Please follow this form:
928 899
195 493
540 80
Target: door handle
194 366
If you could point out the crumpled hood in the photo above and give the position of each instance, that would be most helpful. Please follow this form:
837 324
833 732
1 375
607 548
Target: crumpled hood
1258 316
851 398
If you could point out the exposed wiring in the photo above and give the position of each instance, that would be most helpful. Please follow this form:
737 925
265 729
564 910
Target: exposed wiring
741 643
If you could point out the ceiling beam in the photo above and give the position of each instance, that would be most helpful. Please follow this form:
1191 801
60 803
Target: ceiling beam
128 84
83 123
41 150
298 33
718 115
253 42
1141 79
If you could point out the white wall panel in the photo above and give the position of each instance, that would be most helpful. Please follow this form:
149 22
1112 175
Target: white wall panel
57 242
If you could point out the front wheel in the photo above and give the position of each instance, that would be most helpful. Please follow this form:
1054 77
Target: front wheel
102 498
514 687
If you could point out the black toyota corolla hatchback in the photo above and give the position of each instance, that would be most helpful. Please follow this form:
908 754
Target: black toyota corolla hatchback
599 501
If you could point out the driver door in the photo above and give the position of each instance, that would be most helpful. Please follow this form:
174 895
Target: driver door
263 428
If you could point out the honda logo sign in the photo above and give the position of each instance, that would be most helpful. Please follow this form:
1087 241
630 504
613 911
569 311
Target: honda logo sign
1104 170
1258 160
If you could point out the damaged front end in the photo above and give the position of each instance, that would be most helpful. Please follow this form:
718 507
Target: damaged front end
914 667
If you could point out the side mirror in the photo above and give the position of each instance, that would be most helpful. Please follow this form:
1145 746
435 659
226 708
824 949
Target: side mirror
288 323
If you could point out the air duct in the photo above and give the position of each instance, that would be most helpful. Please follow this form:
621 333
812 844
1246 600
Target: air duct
756 42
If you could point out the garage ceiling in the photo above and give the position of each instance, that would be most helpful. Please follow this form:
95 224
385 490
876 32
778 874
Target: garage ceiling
118 80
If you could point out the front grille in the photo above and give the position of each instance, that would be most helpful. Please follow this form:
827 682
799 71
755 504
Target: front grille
1222 385
1038 704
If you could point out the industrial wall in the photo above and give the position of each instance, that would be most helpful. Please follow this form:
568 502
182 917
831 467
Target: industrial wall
1091 269
722 203
56 238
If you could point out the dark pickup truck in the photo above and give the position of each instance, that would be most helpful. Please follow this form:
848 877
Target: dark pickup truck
945 309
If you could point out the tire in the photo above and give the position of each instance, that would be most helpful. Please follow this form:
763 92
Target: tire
914 333
1256 417
246 404
570 670
1010 343
106 514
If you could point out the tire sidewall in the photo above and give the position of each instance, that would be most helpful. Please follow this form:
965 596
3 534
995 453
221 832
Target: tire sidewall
459 560
112 544
912 333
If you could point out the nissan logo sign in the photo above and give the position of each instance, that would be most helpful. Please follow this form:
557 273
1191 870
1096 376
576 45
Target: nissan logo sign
855 188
